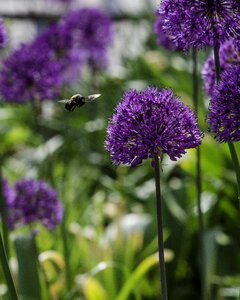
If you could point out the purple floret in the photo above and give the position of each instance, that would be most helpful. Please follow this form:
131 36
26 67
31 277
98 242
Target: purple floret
32 201
30 73
163 38
149 123
200 23
92 32
224 109
229 55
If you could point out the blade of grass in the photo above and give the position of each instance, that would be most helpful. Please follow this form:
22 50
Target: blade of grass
29 284
3 210
6 271
136 276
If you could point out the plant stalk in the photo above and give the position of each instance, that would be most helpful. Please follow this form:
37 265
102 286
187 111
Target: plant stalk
236 165
66 252
199 181
163 279
3 210
6 271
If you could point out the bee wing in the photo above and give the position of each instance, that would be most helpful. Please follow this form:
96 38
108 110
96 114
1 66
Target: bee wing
91 98
63 101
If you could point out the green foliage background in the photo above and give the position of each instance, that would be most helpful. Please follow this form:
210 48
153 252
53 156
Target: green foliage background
109 229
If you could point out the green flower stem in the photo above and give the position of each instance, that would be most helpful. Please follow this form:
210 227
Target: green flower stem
217 61
6 271
199 181
66 252
3 211
231 146
163 278
236 165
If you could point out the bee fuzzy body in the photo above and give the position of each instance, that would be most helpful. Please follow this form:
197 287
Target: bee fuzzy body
75 101
78 100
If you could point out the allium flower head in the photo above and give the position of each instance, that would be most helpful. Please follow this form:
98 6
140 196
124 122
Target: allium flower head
200 23
163 38
92 31
30 73
149 123
31 201
224 110
229 55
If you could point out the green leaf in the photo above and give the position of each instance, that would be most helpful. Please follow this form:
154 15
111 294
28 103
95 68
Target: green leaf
137 275
29 285
93 290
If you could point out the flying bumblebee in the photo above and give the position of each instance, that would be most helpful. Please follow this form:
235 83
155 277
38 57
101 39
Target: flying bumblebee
78 100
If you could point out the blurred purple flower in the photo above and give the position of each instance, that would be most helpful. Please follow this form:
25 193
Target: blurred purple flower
92 32
163 38
149 123
229 55
200 23
3 34
30 73
60 42
31 201
224 109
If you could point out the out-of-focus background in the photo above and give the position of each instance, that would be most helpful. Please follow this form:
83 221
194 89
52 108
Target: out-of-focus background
105 247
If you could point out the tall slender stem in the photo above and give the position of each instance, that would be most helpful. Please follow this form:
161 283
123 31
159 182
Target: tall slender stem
231 146
66 252
6 271
217 61
3 210
236 165
163 278
199 181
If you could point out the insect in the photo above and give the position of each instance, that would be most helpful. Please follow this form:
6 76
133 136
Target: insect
78 100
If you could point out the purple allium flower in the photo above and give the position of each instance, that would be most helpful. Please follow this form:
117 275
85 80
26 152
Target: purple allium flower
59 40
30 73
229 55
149 123
32 201
224 109
3 34
163 39
200 23
92 32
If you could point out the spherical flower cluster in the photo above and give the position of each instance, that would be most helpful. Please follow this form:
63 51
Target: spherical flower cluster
149 123
163 38
92 31
224 109
31 201
200 23
58 39
3 34
30 73
229 55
